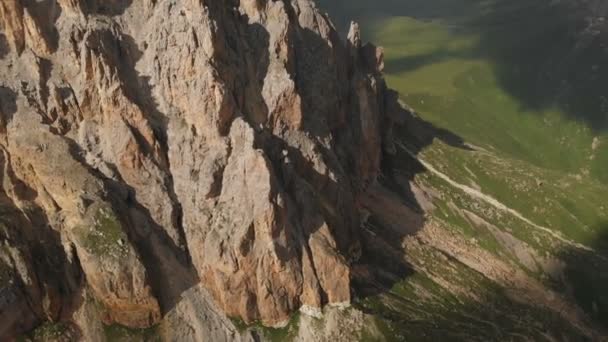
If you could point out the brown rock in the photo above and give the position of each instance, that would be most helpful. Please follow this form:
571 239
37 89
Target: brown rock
11 15
161 144
113 269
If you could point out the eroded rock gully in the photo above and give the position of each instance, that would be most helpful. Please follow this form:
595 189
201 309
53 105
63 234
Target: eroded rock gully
148 146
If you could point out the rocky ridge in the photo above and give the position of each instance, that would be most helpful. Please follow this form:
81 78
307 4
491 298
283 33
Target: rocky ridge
151 146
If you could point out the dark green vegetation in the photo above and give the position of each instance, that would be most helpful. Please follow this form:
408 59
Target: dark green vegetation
524 83
51 332
121 333
286 333
423 309
105 237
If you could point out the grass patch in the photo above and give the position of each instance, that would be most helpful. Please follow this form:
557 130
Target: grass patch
117 332
50 331
567 203
286 333
421 308
503 75
105 237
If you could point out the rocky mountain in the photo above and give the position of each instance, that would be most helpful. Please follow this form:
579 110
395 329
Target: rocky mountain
177 162
235 170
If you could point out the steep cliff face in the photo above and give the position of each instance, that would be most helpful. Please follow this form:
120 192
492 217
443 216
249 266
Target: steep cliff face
150 146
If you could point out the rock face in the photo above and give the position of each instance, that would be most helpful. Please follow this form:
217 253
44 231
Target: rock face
149 146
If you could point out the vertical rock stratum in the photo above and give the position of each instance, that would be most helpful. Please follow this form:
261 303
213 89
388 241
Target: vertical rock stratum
150 146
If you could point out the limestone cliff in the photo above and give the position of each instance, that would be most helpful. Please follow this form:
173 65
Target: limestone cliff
148 146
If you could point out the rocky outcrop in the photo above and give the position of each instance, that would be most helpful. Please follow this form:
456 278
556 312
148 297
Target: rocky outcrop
157 145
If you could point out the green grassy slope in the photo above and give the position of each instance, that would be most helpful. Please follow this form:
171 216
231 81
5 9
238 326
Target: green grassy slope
517 82
481 72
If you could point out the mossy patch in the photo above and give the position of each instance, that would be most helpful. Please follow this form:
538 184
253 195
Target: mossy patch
286 333
120 333
50 331
105 236
239 324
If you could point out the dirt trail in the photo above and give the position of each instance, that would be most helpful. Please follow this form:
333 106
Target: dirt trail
495 203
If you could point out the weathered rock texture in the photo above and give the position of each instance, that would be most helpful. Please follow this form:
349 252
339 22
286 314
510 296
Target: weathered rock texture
151 145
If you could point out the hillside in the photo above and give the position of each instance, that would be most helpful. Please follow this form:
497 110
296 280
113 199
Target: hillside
522 83
241 170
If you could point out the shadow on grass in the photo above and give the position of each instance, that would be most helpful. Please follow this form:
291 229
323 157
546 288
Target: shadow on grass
550 54
586 276
394 209
546 54
424 309
343 11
